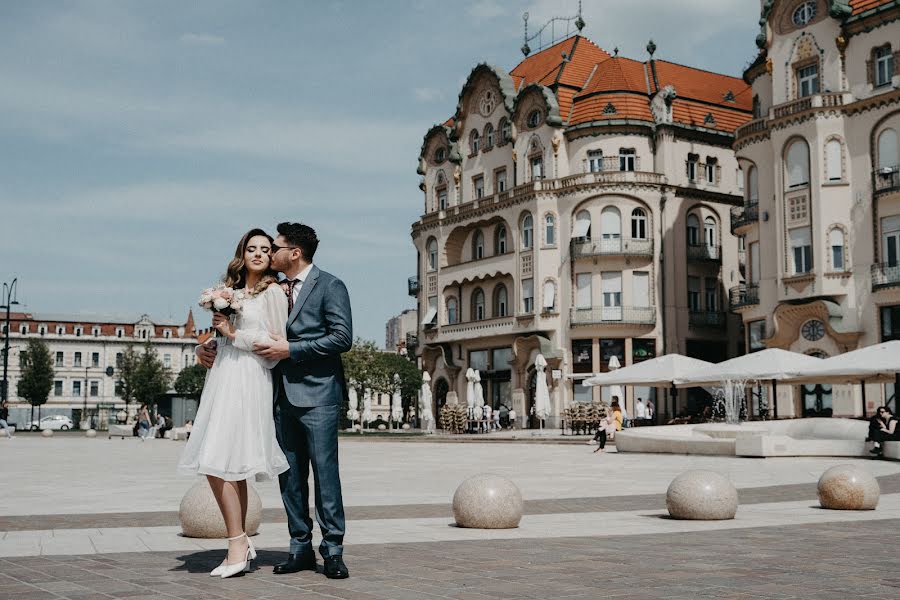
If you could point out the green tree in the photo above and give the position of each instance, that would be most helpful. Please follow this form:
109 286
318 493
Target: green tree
151 377
190 381
128 368
374 369
389 364
36 380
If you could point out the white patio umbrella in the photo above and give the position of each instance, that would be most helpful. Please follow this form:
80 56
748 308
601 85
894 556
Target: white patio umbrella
353 410
425 402
479 396
397 407
470 388
367 406
873 364
541 392
772 365
615 390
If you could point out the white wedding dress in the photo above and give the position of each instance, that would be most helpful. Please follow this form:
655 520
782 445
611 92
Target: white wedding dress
233 436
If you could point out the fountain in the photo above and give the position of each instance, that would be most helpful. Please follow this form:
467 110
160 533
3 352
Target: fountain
730 402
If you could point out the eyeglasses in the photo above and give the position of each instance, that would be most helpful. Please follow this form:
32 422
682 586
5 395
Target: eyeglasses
276 248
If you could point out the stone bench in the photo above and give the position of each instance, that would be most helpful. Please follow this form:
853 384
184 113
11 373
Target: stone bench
892 450
12 431
122 431
178 433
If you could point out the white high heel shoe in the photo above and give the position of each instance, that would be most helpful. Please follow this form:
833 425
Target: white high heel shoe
230 570
217 572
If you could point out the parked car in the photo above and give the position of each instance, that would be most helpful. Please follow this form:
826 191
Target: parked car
55 422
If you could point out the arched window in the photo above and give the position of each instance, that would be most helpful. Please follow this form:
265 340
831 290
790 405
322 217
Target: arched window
798 164
501 301
638 224
833 161
500 240
478 305
432 254
753 186
452 311
693 230
478 245
549 299
887 150
527 232
488 136
505 130
709 231
549 230
474 141
534 118
836 241
611 223
582 228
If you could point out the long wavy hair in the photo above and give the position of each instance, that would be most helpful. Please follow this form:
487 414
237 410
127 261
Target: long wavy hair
236 274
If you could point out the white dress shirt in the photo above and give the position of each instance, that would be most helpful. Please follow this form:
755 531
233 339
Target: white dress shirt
301 277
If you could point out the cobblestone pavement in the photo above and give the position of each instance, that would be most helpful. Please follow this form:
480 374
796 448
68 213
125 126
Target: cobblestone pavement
828 561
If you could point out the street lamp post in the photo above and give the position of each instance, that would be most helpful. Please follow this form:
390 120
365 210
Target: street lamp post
9 298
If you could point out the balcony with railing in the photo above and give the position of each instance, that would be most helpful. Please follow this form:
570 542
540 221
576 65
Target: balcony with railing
412 341
613 315
885 275
886 179
704 253
706 318
742 296
754 127
826 101
587 247
744 216
412 286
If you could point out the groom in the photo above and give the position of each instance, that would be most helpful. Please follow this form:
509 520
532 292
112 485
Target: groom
308 397
309 389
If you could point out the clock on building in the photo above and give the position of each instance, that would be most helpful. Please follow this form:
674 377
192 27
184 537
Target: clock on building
804 13
813 331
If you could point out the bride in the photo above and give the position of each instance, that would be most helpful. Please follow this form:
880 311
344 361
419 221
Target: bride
233 437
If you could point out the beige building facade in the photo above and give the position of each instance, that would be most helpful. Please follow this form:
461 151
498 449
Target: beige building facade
821 217
578 207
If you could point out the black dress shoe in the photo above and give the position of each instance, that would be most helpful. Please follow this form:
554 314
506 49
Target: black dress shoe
335 568
296 562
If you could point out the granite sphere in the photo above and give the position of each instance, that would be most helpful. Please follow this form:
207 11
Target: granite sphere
382 427
487 501
848 487
701 496
91 433
47 432
200 517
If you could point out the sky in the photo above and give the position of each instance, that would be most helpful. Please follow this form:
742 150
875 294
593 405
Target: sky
140 139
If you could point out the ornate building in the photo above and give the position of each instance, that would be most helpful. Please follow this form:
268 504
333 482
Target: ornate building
821 216
577 206
86 354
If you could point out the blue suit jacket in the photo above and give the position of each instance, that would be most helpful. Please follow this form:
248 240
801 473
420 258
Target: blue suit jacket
319 330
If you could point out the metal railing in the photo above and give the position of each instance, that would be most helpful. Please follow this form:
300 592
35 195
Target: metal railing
412 286
886 179
741 216
704 253
584 246
885 275
704 318
613 315
743 295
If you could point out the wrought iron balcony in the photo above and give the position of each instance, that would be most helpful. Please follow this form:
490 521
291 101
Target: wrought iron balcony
886 179
742 296
742 216
704 253
412 286
885 275
613 315
586 247
704 318
412 341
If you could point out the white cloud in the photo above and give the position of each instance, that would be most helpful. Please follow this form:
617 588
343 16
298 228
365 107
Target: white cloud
202 39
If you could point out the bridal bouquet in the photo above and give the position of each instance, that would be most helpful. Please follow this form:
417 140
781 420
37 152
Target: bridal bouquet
222 299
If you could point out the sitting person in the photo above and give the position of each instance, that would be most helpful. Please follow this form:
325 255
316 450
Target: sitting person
887 430
617 414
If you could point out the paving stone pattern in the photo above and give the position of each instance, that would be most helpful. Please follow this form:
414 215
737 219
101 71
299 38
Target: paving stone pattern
823 562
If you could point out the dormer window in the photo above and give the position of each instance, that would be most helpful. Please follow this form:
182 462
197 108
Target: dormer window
440 155
78 331
42 330
534 118
95 331
60 330
23 328
804 13
119 332
167 333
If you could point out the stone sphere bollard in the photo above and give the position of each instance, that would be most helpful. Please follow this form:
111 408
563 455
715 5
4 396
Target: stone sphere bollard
47 432
405 426
200 517
91 433
701 496
848 487
382 427
487 501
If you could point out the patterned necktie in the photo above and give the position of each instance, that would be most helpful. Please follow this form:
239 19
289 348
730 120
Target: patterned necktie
288 286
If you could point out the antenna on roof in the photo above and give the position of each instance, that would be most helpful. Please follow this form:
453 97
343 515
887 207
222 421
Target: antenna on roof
576 21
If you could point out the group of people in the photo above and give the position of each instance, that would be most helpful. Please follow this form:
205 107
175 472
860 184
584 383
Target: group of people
883 428
616 419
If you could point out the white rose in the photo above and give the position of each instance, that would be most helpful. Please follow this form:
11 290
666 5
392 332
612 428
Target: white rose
220 303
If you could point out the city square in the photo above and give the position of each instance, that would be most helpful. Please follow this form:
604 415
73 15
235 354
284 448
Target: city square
636 268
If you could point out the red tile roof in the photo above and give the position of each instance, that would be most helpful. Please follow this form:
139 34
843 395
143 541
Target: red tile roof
705 86
861 6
